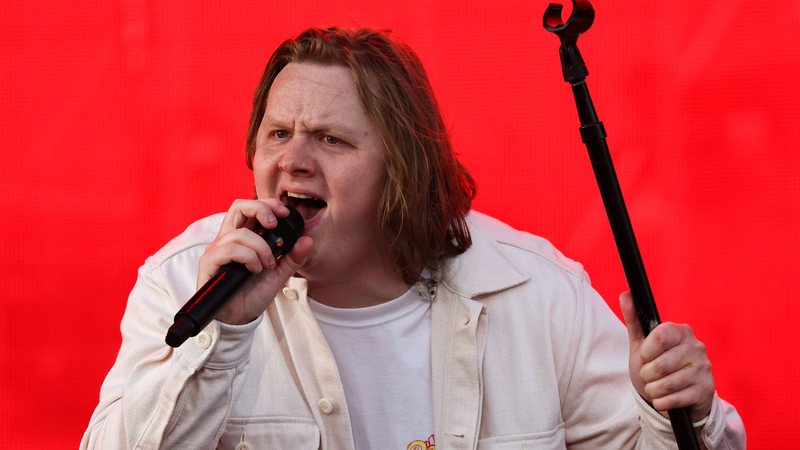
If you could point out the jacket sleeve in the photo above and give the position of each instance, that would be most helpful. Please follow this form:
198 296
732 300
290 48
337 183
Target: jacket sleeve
159 397
600 408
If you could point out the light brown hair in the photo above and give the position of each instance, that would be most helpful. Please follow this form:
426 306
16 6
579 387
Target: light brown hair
428 192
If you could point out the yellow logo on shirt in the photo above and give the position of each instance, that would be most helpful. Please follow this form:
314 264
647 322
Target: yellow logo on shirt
430 444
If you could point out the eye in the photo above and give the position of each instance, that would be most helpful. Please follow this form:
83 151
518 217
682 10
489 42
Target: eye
332 140
280 134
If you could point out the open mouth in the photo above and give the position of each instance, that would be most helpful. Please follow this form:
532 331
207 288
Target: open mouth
307 206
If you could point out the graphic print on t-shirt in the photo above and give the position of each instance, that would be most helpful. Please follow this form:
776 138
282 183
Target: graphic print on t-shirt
430 444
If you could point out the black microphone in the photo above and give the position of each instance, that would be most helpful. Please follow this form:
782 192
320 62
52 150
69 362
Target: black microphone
204 306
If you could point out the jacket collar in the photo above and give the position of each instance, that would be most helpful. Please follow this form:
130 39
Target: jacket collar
483 268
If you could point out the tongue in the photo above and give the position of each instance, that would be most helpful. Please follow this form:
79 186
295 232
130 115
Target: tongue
307 209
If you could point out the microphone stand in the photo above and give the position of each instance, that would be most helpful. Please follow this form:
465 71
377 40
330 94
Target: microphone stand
594 136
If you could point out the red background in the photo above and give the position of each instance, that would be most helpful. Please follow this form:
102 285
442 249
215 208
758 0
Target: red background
124 121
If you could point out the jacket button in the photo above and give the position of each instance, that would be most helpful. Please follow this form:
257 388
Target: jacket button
204 340
291 294
326 406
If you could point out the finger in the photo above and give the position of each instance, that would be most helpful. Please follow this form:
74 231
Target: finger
664 337
635 334
235 253
687 398
247 238
243 212
677 399
672 382
671 361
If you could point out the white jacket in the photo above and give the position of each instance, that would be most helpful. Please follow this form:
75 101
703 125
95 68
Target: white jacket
525 355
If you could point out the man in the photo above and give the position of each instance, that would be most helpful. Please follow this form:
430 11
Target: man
400 319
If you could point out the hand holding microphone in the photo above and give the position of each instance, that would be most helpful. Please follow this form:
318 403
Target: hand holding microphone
242 254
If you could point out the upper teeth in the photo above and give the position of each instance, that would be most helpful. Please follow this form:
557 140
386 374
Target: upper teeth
296 195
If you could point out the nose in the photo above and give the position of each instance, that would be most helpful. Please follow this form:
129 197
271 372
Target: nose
297 158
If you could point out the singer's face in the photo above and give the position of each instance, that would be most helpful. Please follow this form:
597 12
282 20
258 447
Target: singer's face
317 150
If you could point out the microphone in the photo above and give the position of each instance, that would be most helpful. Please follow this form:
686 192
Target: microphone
204 306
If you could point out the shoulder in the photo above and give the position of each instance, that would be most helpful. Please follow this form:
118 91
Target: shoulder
192 241
502 257
519 244
169 277
548 287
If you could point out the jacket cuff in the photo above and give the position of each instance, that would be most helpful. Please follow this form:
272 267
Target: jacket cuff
652 421
232 344
219 346
713 425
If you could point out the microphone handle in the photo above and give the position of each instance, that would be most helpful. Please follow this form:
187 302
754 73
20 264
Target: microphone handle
204 306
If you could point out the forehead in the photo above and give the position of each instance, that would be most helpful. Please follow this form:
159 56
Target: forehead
314 91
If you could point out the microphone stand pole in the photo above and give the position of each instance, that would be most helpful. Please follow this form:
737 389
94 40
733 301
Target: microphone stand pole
594 136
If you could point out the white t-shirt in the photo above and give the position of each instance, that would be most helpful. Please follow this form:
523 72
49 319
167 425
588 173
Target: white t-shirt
384 357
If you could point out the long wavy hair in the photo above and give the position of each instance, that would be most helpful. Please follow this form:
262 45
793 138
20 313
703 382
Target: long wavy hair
427 192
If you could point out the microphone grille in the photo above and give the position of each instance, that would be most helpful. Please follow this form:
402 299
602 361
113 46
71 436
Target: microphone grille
295 220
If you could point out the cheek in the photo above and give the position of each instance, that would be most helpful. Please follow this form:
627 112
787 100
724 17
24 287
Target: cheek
370 194
359 193
264 177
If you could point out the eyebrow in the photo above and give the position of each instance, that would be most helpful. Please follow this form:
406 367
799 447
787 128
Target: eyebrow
333 127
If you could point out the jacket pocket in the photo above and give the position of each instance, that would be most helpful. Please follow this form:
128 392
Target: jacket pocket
270 433
553 439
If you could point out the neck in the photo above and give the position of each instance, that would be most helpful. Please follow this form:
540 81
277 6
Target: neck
357 292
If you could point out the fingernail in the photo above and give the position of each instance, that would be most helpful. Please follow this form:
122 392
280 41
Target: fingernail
271 218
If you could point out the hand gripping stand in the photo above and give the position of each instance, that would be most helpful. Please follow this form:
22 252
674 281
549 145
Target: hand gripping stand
594 136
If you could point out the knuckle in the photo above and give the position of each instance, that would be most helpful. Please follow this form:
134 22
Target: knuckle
704 366
660 366
669 402
650 390
667 386
700 348
237 204
660 335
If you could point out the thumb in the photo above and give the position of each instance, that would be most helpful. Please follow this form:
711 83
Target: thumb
635 334
294 260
